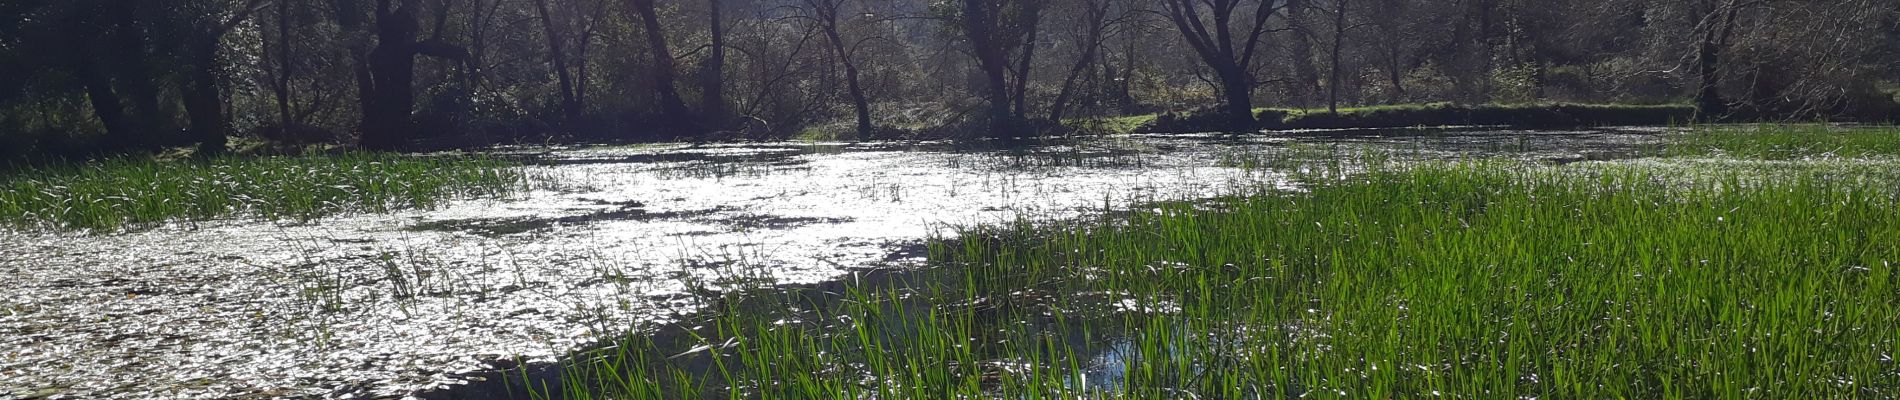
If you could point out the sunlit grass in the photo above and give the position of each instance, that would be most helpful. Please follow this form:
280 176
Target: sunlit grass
133 192
1786 142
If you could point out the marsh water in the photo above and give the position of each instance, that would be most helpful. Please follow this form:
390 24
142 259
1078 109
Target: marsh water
606 239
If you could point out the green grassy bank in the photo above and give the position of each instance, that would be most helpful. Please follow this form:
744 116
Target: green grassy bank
1787 142
135 192
1554 115
1669 278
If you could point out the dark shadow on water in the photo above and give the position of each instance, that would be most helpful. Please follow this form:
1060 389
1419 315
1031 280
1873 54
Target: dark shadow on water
497 227
674 344
773 222
634 212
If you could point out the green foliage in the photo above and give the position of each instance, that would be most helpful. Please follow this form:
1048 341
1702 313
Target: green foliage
124 193
1515 84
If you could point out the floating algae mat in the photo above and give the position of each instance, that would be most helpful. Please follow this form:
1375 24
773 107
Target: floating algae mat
599 242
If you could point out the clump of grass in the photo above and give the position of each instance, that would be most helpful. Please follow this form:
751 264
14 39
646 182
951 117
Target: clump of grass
124 193
1468 280
1787 142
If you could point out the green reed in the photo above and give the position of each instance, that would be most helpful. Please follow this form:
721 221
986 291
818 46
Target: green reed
1462 280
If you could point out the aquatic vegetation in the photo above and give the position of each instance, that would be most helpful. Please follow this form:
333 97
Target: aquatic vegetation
1466 280
1785 142
131 192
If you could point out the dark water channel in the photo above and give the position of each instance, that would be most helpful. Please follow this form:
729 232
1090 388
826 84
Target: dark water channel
432 302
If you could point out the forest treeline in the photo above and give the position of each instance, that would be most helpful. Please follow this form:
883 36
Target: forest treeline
89 76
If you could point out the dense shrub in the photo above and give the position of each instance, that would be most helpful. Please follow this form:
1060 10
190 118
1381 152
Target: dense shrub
1561 115
1434 114
1195 121
1273 118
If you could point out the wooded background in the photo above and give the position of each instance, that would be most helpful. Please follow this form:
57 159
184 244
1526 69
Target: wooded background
86 76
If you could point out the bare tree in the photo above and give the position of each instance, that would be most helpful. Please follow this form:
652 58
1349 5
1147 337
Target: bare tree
1096 25
664 70
201 85
286 68
1226 46
552 29
1715 31
1389 19
712 82
995 29
1026 59
386 73
1305 82
1334 66
825 15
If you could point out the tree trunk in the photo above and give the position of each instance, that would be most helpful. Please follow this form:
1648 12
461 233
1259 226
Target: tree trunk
828 21
1218 51
1339 41
580 52
1486 61
589 22
859 102
1021 96
365 96
203 98
132 71
1098 13
1305 76
671 106
1708 95
712 80
1000 123
1238 91
1395 72
1061 102
105 102
387 123
285 67
1124 86
570 103
580 71
349 20
1467 59
979 25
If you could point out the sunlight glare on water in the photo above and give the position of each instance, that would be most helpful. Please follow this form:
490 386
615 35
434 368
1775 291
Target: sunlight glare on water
605 240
